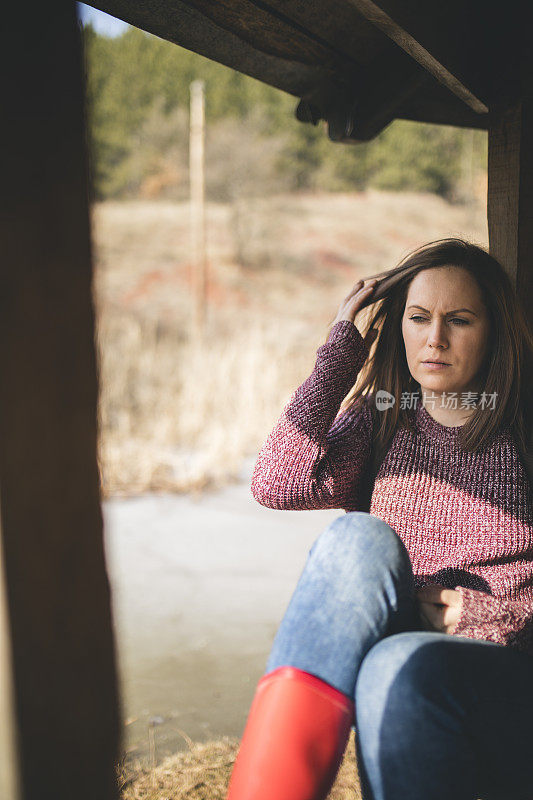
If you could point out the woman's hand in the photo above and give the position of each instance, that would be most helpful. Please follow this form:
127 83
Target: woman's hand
439 607
352 304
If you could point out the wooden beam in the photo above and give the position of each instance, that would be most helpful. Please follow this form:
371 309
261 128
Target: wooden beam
58 597
434 103
338 23
271 31
296 71
391 83
356 112
430 34
510 193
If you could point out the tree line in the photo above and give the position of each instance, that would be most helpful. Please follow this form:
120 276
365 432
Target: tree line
137 89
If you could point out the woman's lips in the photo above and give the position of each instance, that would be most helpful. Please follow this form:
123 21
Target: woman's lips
432 366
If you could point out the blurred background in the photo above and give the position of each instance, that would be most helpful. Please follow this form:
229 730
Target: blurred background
200 573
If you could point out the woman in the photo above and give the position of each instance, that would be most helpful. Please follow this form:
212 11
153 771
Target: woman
413 622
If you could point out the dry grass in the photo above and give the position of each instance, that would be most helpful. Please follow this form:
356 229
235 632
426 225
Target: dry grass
203 773
176 417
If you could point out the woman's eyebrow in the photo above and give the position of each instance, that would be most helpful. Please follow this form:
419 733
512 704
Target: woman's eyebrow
457 310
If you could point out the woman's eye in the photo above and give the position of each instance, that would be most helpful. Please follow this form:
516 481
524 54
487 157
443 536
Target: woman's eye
455 319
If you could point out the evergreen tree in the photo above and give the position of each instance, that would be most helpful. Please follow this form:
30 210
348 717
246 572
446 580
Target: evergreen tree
138 97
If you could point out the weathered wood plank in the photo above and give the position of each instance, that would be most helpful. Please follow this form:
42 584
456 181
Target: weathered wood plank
190 28
432 34
390 83
58 597
357 112
432 102
338 23
510 193
503 202
271 31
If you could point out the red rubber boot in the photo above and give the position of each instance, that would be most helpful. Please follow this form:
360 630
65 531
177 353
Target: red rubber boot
294 739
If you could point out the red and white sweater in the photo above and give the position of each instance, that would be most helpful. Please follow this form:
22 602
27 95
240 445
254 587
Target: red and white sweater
465 518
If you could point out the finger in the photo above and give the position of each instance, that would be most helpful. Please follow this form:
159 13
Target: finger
431 592
360 295
354 292
451 597
435 615
430 621
355 300
423 618
363 286
428 606
446 597
451 615
426 624
355 288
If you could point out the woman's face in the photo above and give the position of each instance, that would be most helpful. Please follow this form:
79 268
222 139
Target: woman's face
445 319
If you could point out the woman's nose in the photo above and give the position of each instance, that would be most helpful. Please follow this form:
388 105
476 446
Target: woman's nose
437 335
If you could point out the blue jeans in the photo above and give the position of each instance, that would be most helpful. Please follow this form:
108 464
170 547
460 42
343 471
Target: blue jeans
437 717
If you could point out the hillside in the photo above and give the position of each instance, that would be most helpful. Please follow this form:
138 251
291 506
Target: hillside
178 418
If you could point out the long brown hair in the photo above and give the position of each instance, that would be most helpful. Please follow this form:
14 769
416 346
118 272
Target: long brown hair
508 368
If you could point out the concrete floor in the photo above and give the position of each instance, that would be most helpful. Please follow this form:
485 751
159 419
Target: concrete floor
199 588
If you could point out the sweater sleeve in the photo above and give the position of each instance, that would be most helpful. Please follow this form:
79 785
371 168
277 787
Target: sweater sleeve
313 458
496 619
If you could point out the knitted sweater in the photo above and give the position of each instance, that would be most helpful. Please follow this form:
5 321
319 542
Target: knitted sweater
465 518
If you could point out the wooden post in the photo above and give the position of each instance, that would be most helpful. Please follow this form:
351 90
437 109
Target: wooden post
467 164
57 590
197 193
510 193
9 766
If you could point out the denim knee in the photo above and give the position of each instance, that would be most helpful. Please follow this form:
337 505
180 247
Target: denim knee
410 709
357 533
400 668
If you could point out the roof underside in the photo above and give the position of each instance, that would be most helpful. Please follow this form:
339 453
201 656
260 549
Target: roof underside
358 64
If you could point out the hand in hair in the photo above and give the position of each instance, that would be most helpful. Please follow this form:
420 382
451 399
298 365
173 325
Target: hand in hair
352 304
